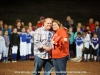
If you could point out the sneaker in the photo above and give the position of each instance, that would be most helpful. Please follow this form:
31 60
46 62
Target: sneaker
14 61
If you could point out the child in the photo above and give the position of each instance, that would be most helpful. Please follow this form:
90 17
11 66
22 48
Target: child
14 41
23 44
86 45
75 35
95 45
28 44
2 44
7 42
79 45
71 39
32 42
97 30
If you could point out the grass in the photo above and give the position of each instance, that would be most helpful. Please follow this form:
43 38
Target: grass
32 10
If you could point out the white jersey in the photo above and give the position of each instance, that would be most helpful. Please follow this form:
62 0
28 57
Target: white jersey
2 44
32 34
86 41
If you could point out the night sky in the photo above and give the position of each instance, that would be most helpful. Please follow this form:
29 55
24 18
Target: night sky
31 10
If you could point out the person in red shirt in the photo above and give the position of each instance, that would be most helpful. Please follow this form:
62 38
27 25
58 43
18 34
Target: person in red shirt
40 23
60 52
91 25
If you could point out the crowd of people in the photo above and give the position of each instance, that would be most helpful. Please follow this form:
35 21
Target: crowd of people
50 39
18 40
84 40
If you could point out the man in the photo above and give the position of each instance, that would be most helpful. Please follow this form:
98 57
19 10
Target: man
91 25
42 48
69 23
40 22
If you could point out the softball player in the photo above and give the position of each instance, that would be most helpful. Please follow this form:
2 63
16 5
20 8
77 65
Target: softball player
79 45
23 44
86 42
14 42
7 42
2 44
28 51
95 45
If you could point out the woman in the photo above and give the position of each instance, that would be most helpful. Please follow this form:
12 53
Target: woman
6 29
19 27
60 53
79 25
30 25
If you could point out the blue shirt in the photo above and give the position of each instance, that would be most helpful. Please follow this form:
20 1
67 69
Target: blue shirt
29 38
23 37
78 41
95 41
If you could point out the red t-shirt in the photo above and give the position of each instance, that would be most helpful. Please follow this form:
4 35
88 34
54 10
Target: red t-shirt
92 27
39 24
61 48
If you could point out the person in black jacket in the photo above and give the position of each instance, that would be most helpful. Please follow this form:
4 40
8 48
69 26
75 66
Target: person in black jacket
69 23
14 42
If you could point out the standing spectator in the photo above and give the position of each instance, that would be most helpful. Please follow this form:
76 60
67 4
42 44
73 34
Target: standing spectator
66 23
22 24
97 23
6 29
40 22
1 25
42 48
69 23
91 25
79 25
14 42
30 25
32 42
87 29
19 27
7 42
10 28
2 44
71 40
60 53
19 30
28 50
95 46
97 30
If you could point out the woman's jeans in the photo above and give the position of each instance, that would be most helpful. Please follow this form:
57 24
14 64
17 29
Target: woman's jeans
60 65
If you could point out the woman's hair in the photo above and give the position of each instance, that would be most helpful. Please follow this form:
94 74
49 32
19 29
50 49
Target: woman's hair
59 24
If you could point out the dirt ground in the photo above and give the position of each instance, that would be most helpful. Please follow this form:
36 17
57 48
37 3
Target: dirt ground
73 68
